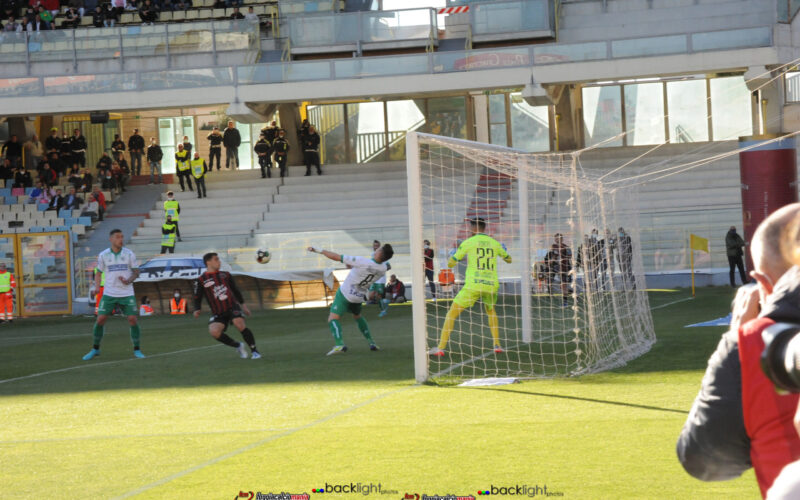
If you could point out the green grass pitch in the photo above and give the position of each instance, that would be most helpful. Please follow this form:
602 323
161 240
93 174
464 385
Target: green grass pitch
195 421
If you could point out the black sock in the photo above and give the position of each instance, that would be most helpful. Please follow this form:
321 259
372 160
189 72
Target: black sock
96 346
247 335
227 340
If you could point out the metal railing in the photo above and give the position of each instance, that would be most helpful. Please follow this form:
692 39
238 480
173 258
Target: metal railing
367 67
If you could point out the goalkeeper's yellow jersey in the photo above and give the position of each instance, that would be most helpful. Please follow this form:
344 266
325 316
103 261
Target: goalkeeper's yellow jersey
482 252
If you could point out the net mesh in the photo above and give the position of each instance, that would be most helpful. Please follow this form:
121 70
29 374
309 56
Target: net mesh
582 306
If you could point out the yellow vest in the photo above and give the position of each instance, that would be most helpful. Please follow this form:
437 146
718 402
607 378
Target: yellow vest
182 158
171 208
5 282
198 168
168 240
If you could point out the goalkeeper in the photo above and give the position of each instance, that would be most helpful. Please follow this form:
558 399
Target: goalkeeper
481 283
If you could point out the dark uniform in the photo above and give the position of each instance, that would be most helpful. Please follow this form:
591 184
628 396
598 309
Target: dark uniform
64 156
136 148
78 146
281 148
117 148
214 150
222 295
263 149
311 152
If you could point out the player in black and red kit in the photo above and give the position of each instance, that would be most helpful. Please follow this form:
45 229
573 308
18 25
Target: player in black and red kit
227 305
428 254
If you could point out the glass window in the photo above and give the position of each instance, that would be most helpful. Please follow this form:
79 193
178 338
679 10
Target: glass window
602 115
403 117
644 113
447 116
792 88
329 121
44 300
44 259
166 139
530 125
731 110
367 131
497 120
686 104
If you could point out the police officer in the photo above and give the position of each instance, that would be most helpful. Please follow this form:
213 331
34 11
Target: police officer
214 148
172 211
264 149
281 148
64 156
182 165
199 168
78 146
168 230
311 150
271 133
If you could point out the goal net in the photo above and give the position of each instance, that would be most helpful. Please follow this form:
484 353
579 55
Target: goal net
573 299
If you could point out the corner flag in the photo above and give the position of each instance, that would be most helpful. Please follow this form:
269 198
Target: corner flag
698 243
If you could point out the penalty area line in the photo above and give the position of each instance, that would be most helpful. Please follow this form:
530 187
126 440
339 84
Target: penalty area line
262 442
105 363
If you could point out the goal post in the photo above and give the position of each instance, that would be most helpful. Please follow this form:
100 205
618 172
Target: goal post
572 300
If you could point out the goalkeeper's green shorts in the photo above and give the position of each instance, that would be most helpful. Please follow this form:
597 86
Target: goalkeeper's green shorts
468 296
127 304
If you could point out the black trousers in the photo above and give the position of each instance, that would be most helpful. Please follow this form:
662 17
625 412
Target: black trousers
214 153
177 229
136 163
167 249
735 262
312 158
281 161
79 158
429 275
201 185
187 175
266 166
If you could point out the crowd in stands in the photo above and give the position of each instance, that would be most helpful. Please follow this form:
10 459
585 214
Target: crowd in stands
39 15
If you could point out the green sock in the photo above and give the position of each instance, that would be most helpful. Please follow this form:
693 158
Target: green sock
135 334
384 303
364 327
336 330
98 332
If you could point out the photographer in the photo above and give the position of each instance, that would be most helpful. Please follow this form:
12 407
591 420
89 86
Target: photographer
737 419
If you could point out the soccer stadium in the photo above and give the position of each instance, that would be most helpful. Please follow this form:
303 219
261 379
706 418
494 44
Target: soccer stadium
407 249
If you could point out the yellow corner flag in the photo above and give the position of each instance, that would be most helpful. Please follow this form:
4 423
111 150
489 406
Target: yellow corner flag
698 243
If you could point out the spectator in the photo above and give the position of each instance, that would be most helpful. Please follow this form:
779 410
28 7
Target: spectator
738 419
36 194
12 150
78 148
53 143
145 309
71 18
117 148
214 149
107 181
166 5
12 26
112 14
154 156
311 150
235 15
72 201
219 4
734 247
232 140
22 178
427 254
103 164
251 16
44 20
35 151
98 17
86 181
148 12
101 202
92 208
395 290
183 4
233 3
611 244
263 150
78 5
56 202
48 177
75 177
199 168
281 148
6 170
135 149
51 6
626 257
558 262
187 146
121 174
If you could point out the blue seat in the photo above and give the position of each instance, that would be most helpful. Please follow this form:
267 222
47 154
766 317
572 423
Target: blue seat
86 221
64 213
28 191
35 229
41 207
5 191
60 228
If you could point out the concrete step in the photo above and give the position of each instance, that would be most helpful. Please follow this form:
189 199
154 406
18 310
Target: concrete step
331 205
201 211
253 202
346 188
378 211
260 192
286 226
209 218
200 229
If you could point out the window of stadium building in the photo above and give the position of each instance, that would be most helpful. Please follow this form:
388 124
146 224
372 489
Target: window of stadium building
170 133
530 125
792 86
678 111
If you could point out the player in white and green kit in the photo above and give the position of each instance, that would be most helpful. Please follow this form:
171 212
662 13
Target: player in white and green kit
481 281
118 265
364 272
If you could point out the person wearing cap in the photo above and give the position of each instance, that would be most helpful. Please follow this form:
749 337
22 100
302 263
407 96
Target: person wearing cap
281 148
198 168
172 212
182 165
154 156
214 149
7 286
136 148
